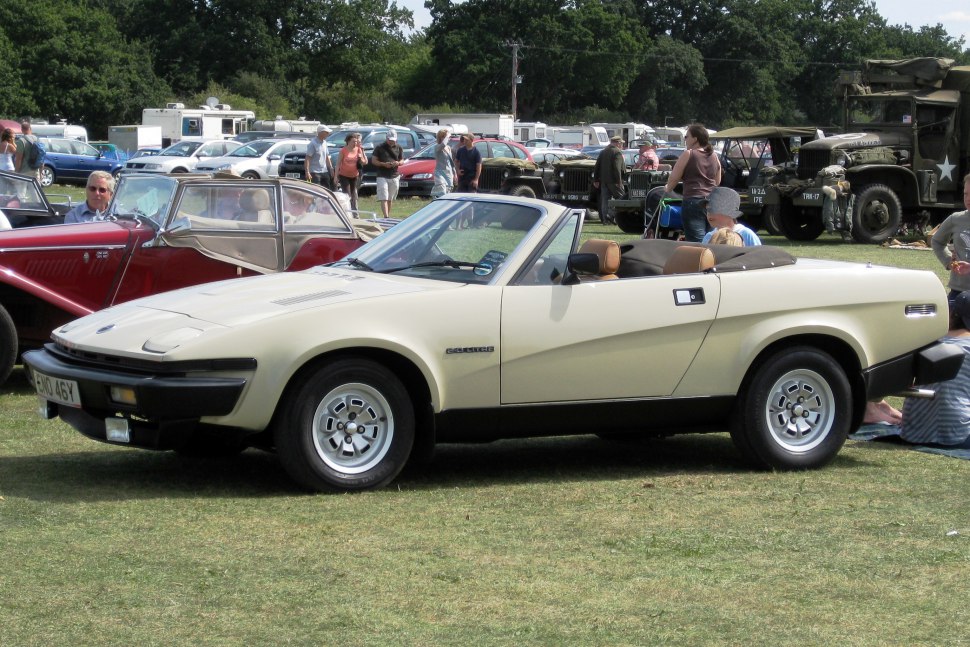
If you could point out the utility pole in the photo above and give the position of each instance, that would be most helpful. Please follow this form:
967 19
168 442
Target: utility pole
516 79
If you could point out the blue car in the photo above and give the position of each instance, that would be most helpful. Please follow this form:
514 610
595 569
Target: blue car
70 160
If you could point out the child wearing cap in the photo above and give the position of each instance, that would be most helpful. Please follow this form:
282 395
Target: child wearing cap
723 210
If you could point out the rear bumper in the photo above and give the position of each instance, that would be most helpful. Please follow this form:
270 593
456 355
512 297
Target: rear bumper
937 362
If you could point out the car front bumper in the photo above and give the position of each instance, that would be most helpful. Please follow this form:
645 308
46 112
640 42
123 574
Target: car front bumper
164 405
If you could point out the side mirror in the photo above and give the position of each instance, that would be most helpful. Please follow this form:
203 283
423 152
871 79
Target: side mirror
578 264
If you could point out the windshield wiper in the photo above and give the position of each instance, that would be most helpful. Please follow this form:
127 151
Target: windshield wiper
356 262
448 263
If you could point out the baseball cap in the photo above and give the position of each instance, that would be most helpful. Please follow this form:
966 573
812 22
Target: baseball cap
724 201
392 134
616 138
324 128
960 306
648 141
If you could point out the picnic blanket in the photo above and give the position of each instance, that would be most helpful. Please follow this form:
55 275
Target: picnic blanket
890 434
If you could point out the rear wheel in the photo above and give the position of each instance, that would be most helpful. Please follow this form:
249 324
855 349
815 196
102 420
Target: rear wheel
877 214
349 426
796 411
47 176
8 344
771 219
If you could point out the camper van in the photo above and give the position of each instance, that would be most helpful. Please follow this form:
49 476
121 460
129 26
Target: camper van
60 129
217 121
629 131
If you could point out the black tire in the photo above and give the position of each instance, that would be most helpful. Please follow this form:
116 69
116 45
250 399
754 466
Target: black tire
630 222
47 176
250 175
876 215
771 219
179 169
8 344
796 411
319 437
800 224
522 191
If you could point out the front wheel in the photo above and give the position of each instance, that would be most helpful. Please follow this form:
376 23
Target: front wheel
348 426
771 219
799 223
796 411
522 191
47 176
8 344
250 175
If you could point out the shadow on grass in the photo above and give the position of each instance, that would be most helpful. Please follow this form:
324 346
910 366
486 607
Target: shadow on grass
117 473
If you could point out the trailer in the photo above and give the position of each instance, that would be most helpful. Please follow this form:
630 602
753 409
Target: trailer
132 138
218 121
480 123
60 129
629 131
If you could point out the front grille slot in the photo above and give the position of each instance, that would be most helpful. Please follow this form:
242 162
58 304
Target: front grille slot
490 178
577 180
811 162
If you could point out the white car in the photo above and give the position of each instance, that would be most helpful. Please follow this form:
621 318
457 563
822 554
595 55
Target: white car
481 317
181 157
259 159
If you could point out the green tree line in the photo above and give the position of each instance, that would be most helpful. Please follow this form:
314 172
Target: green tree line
100 62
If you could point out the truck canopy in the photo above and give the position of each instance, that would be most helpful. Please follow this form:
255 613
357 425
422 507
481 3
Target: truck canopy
763 132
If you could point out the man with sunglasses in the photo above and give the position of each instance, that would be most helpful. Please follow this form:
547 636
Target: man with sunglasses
100 188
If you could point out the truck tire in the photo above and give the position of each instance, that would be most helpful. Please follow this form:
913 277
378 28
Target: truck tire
630 221
877 214
800 224
8 344
522 191
771 219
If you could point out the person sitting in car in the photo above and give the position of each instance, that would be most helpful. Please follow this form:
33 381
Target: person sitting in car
100 187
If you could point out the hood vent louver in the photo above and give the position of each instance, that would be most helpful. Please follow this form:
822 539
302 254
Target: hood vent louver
313 296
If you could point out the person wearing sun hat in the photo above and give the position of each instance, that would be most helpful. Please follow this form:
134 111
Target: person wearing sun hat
647 160
723 210
944 420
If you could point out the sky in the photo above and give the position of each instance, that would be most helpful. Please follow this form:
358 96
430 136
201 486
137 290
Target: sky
954 15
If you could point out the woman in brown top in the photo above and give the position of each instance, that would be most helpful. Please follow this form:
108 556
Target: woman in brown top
700 170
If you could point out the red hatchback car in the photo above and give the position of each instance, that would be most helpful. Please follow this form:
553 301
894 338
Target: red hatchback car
417 173
163 232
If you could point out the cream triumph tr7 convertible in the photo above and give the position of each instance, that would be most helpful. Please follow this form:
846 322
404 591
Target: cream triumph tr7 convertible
483 317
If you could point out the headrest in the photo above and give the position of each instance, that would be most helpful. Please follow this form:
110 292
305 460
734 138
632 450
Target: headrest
688 259
608 252
254 199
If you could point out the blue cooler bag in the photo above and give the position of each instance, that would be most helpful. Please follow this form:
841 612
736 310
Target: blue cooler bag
670 215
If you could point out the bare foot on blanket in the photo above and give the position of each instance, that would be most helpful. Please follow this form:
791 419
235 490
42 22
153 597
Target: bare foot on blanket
881 411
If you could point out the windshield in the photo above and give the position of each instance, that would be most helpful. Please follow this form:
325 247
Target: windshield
253 149
181 149
457 240
865 111
143 195
427 153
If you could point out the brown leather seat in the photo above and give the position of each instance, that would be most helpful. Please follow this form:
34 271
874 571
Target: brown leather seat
688 259
608 252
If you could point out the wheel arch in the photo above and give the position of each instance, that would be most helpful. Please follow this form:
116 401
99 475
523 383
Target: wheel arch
902 182
837 348
412 377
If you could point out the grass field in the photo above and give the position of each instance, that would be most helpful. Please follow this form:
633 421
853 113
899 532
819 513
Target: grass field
561 541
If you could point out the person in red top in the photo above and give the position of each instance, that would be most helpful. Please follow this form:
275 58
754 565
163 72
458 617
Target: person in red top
700 170
647 160
349 163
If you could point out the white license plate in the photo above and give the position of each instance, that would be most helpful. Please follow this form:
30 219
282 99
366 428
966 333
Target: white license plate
57 390
402 184
293 175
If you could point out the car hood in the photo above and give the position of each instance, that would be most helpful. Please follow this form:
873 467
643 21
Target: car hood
234 303
852 141
163 158
412 167
86 234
